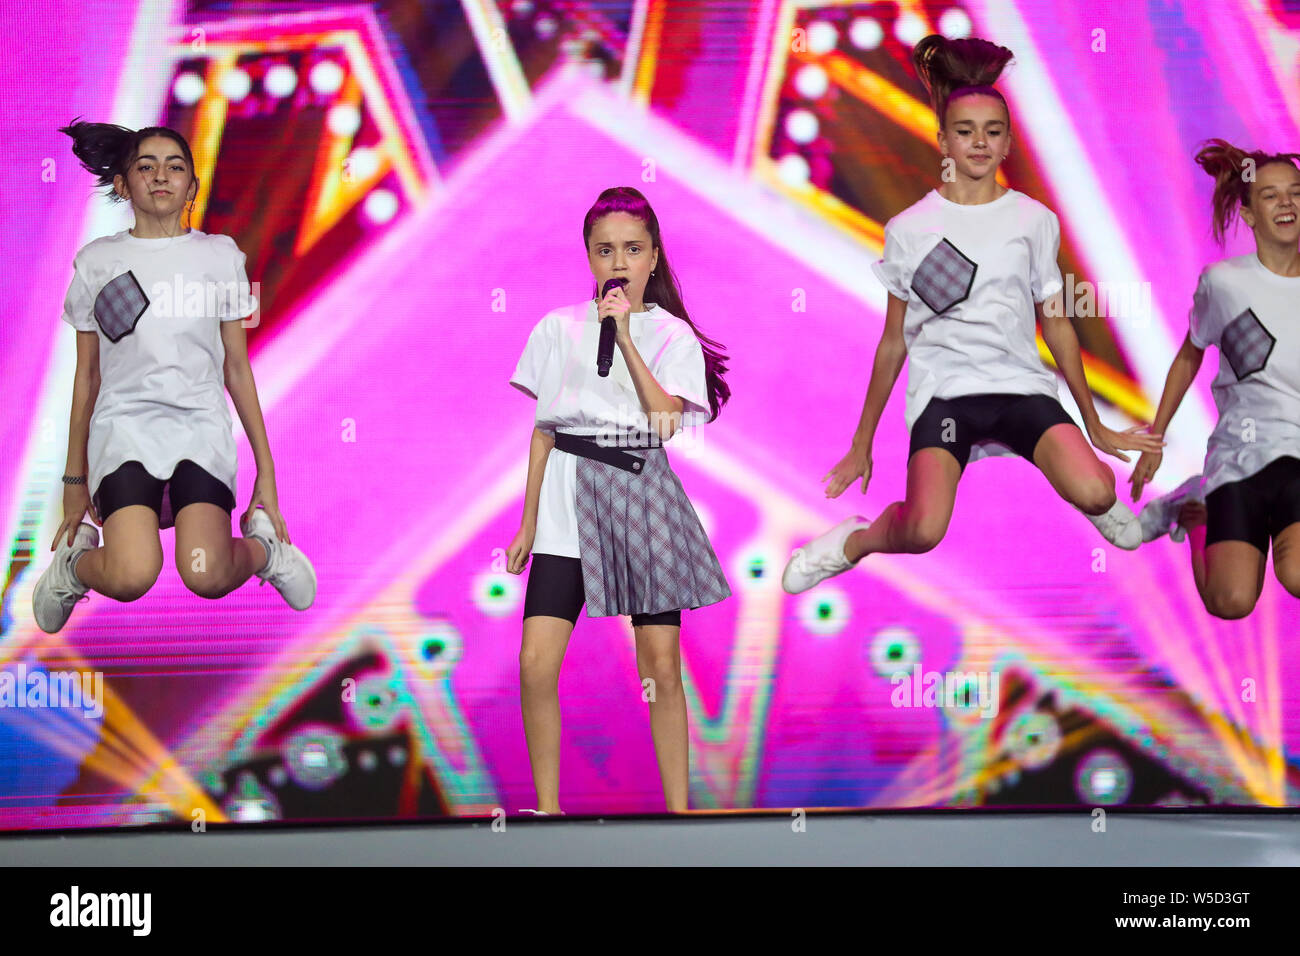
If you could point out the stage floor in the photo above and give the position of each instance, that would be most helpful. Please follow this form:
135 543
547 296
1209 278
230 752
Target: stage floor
943 838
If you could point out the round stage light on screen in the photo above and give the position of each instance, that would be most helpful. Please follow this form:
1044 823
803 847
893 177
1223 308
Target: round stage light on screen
280 80
367 761
326 77
755 567
955 23
376 704
894 649
793 170
801 126
522 8
343 119
1034 739
363 162
811 81
866 33
380 206
397 755
277 776
909 28
822 37
235 84
314 757
546 27
1103 777
496 593
440 646
824 611
188 88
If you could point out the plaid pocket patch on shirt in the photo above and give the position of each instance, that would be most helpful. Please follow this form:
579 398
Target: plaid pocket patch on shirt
119 305
944 277
1246 344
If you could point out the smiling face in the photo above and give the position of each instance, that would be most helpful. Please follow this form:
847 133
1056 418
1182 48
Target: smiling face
976 135
159 182
620 248
1274 210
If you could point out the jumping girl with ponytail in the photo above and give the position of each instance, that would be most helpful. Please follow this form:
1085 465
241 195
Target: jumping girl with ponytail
605 517
1247 307
159 341
967 267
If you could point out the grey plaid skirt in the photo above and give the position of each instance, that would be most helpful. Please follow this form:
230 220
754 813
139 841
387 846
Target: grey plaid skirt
642 546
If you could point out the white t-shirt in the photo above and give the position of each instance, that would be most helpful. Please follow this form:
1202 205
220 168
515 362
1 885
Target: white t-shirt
558 368
162 392
971 276
1252 315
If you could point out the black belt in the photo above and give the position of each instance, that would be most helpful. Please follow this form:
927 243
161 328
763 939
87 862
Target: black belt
588 447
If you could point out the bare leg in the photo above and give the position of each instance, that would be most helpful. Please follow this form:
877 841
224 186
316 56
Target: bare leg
659 660
126 566
1286 558
210 560
1066 458
540 655
1229 575
918 522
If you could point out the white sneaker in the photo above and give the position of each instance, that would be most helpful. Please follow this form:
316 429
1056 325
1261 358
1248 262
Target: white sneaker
821 558
58 590
1160 515
288 568
1119 526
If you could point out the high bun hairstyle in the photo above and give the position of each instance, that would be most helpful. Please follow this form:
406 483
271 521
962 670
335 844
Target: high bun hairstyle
1227 164
954 68
662 287
106 150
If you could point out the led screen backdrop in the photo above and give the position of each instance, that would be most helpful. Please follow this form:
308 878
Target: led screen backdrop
408 180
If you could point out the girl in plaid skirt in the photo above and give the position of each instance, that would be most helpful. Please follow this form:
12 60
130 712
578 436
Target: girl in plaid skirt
1246 307
157 312
605 518
969 268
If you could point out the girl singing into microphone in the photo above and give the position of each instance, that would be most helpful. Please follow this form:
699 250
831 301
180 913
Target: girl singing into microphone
156 309
1246 307
605 518
967 268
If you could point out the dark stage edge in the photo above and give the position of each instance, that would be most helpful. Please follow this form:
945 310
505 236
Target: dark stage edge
963 838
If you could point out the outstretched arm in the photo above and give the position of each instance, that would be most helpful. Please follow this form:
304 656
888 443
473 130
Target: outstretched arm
85 390
891 353
539 450
1061 339
1182 372
243 392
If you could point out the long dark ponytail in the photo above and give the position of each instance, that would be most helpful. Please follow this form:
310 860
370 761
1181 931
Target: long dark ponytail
1227 164
960 67
662 287
106 150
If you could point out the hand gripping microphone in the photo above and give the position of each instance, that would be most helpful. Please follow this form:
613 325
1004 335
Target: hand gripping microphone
608 331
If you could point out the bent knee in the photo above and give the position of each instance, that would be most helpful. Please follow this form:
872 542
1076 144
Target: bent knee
1094 496
132 578
924 534
1230 603
1288 575
209 584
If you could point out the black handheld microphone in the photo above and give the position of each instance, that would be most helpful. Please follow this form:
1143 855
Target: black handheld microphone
608 330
